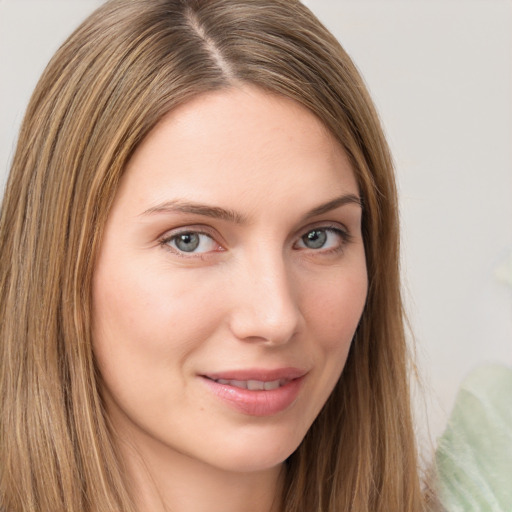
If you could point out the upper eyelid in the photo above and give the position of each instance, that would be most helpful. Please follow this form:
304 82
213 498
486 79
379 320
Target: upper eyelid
165 242
200 230
328 225
217 237
341 231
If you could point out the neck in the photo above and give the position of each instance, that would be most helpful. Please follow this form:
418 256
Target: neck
167 481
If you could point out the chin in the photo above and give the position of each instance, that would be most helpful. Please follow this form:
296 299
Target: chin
257 452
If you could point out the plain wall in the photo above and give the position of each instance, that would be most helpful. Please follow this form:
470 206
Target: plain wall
440 72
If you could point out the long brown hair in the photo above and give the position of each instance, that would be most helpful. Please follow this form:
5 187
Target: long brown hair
121 71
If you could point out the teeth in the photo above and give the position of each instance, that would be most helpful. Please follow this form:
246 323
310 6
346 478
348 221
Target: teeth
272 385
253 385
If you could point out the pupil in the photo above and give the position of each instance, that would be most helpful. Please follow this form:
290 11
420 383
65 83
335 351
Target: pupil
187 242
315 239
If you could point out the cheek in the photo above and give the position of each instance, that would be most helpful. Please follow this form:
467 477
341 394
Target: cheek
145 326
335 308
334 312
145 329
146 304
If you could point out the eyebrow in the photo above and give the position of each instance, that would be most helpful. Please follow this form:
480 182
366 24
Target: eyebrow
337 202
180 206
216 212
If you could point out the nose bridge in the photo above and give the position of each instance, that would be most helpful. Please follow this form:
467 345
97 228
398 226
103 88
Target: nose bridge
266 306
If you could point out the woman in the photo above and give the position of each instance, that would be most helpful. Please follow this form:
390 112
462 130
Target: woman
200 273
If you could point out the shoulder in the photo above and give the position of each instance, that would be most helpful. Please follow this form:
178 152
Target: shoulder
474 455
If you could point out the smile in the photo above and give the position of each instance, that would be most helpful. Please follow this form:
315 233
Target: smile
257 392
254 385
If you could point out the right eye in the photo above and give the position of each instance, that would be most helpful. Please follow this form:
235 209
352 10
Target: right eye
191 242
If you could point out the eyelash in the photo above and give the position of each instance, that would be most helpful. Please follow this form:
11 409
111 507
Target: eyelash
344 235
167 239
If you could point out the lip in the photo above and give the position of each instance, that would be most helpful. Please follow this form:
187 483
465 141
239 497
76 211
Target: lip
257 402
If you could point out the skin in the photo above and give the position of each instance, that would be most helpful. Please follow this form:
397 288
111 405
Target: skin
255 293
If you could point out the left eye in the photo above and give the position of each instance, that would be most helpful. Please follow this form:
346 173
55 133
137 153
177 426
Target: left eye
321 238
192 242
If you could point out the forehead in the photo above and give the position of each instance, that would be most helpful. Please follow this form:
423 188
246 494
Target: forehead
238 143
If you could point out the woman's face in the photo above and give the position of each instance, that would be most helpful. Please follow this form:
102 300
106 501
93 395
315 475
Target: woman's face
229 283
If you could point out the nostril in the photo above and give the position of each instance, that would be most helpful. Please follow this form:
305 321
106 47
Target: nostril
276 327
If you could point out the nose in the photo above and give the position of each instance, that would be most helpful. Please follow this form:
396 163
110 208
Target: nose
265 302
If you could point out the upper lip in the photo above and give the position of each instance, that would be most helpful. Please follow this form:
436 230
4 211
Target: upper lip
258 374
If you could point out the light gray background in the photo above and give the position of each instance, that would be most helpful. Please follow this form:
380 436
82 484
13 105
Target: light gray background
440 72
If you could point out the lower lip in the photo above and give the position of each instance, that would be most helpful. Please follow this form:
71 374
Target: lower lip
257 403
